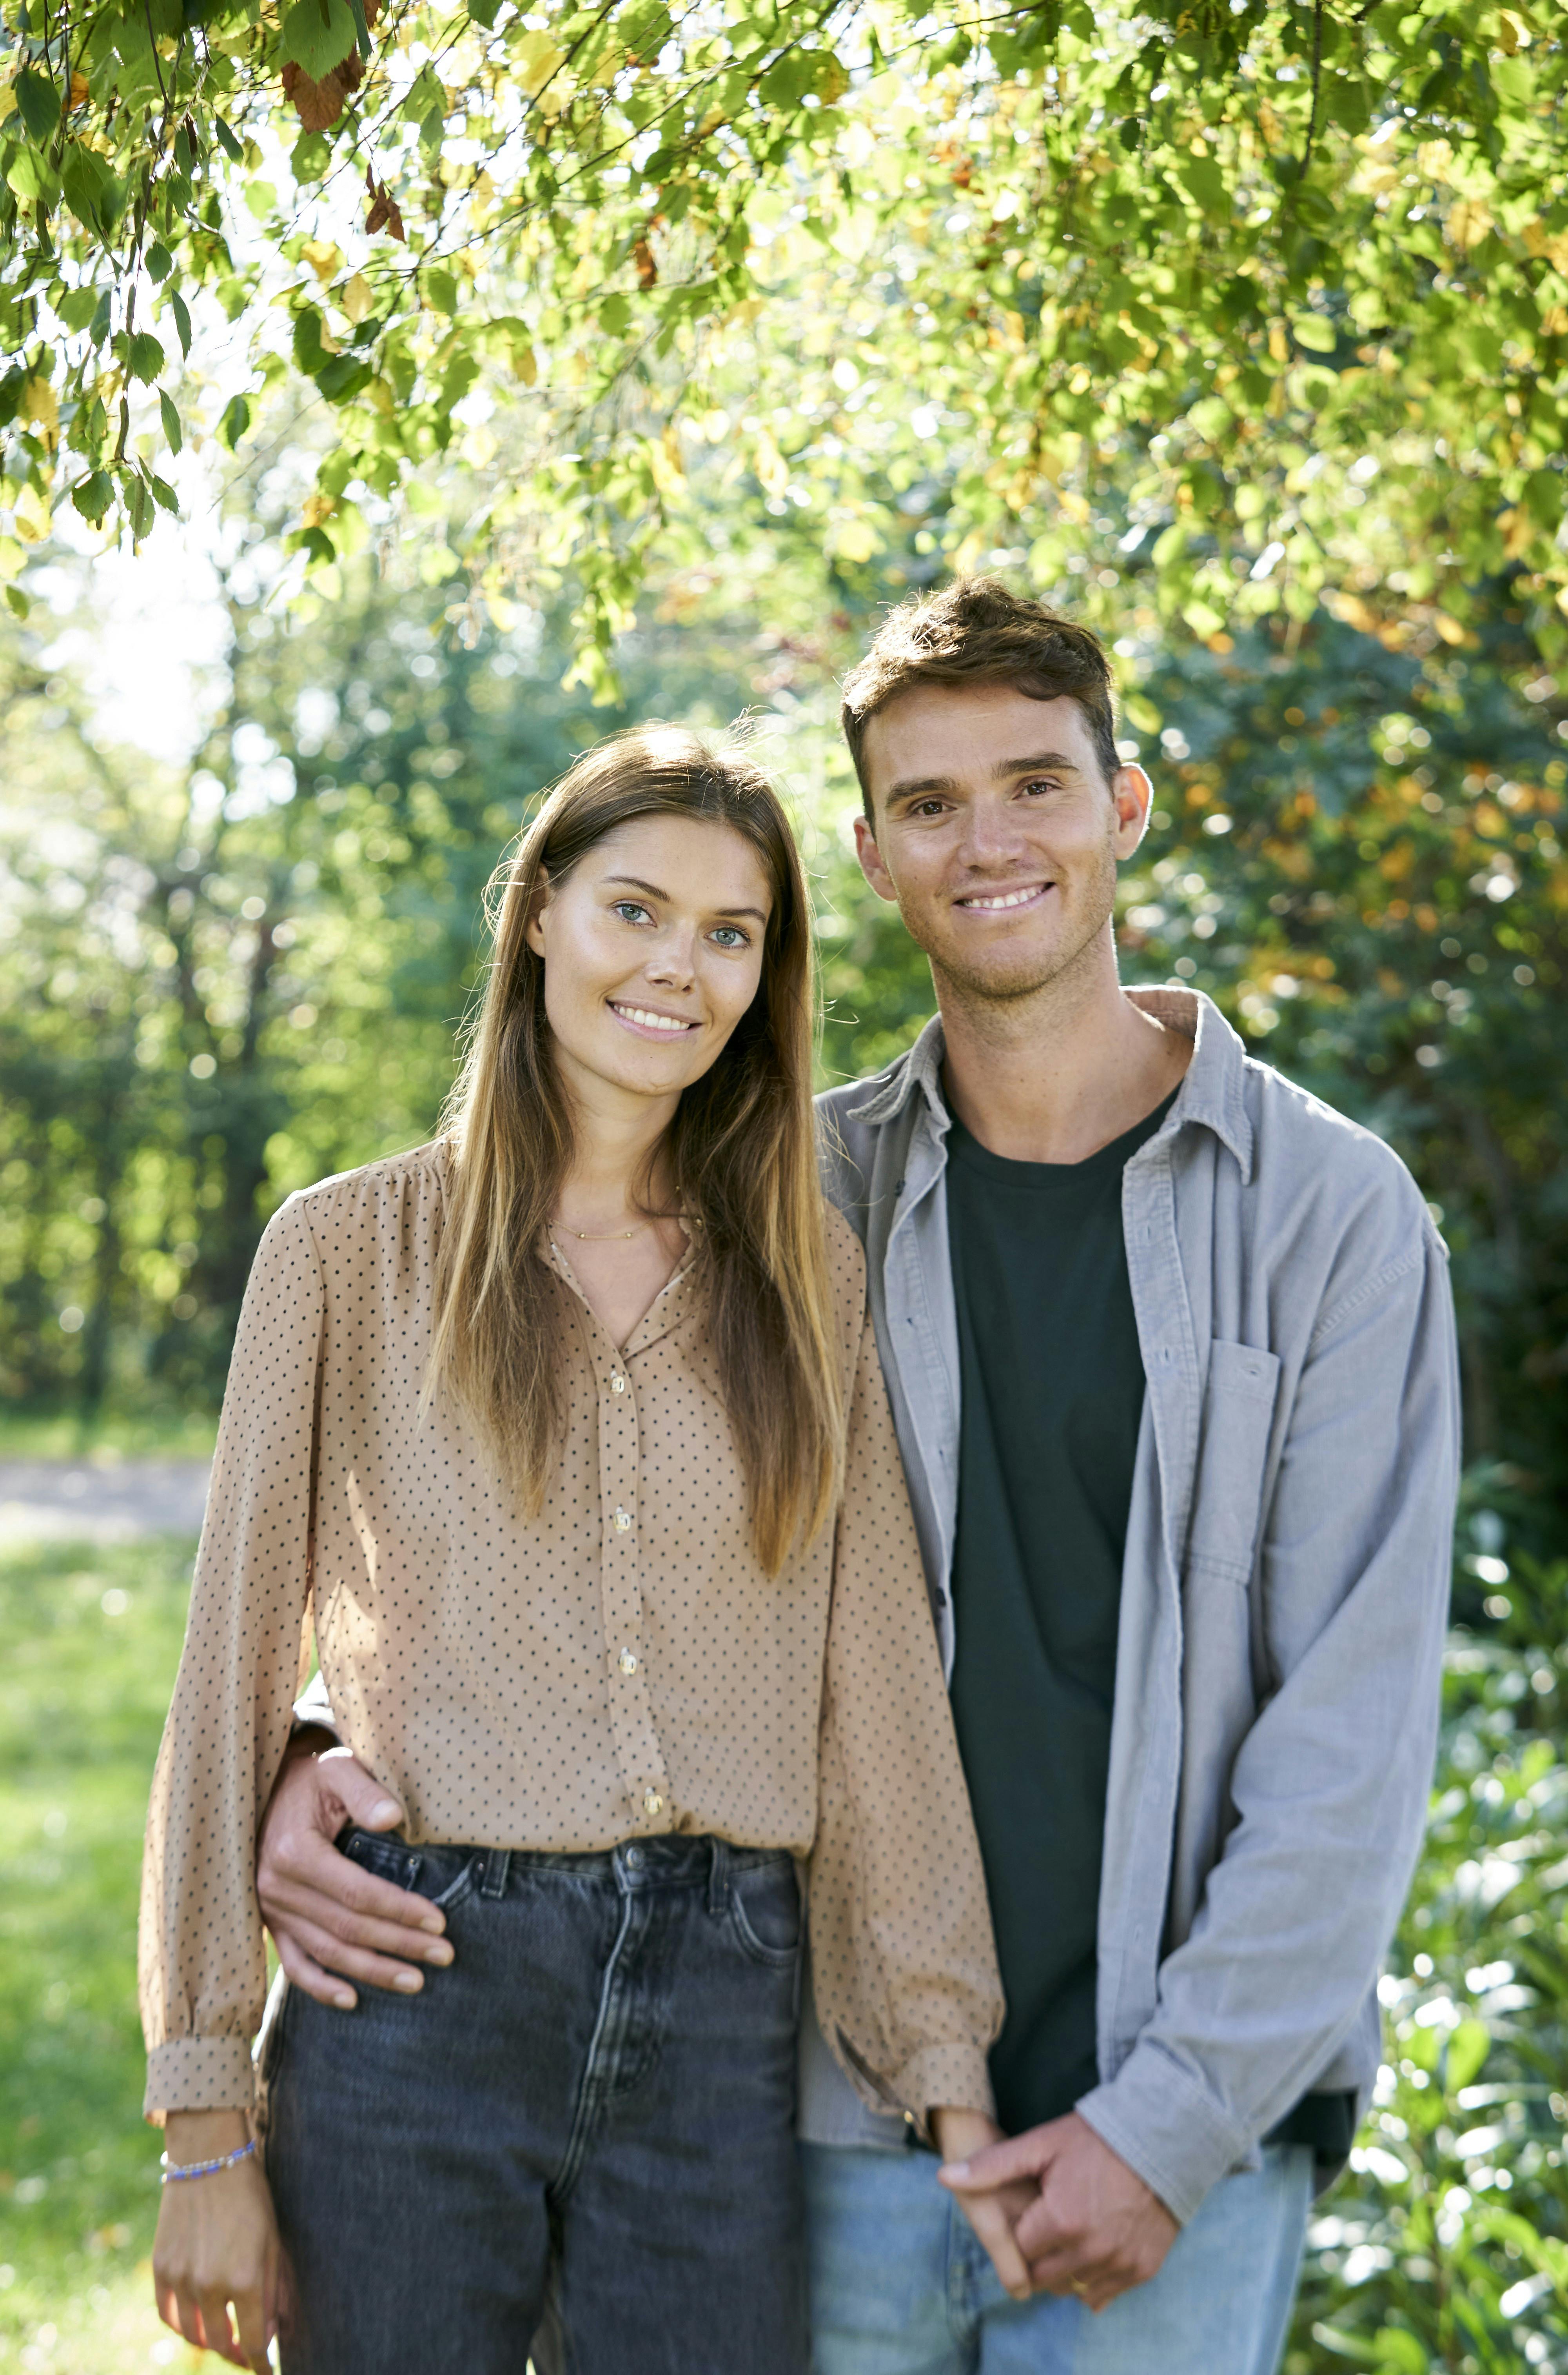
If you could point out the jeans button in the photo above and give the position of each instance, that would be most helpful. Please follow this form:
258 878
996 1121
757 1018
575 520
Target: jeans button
634 1859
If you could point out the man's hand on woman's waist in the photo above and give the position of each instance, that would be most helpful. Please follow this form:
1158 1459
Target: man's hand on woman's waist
332 1922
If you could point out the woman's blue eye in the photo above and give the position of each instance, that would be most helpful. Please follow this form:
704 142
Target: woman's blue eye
629 910
730 936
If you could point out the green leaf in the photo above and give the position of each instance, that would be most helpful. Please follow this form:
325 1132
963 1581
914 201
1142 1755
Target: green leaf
1467 2049
160 263
1318 337
95 194
17 601
181 320
93 495
144 357
171 429
317 36
1398 2348
38 103
163 493
77 307
28 176
309 351
441 288
235 422
230 145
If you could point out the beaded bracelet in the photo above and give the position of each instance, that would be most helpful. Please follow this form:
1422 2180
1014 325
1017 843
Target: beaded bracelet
175 2172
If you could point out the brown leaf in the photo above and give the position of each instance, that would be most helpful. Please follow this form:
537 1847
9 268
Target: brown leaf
384 213
647 270
79 89
317 104
351 73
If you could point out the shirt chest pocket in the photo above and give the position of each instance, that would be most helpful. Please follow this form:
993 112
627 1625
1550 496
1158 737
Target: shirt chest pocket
1238 1407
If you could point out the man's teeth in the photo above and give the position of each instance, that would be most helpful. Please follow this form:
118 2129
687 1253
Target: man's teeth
651 1021
1006 898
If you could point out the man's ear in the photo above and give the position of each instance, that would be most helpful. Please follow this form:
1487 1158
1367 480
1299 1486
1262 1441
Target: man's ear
537 906
1132 795
871 864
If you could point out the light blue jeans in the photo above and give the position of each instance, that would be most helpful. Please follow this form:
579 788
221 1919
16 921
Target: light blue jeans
901 2287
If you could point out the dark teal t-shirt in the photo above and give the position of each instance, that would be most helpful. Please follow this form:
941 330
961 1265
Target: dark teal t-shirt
1051 1381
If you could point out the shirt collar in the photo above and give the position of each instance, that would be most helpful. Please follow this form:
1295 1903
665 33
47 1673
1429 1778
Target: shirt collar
1211 1091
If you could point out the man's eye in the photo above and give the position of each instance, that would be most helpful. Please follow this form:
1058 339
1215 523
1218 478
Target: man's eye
1040 783
928 808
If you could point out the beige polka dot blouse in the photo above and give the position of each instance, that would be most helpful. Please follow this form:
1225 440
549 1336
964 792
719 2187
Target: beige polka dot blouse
619 1667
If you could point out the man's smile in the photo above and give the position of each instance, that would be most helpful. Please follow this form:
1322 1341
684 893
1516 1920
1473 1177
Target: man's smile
993 903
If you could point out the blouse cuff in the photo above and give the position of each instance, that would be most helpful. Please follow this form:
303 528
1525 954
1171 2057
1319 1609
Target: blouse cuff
955 2075
198 2073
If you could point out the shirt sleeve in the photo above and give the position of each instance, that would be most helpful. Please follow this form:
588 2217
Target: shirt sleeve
903 1965
203 1959
1330 1784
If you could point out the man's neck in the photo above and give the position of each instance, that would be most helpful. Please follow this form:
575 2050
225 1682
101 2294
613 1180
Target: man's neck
1053 1077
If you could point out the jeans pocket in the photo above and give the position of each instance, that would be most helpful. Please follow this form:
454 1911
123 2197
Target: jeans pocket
444 1875
764 1912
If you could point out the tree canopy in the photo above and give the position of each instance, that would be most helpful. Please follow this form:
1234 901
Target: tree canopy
1276 292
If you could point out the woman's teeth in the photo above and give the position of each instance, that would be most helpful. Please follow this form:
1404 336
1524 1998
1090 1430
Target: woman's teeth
651 1021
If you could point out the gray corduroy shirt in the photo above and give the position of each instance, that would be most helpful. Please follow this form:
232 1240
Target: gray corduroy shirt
1285 1587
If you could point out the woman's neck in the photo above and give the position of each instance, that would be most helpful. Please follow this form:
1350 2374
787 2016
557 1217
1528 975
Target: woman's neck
616 1169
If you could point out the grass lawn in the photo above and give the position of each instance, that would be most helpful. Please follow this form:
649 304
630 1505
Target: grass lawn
110 1436
89 1640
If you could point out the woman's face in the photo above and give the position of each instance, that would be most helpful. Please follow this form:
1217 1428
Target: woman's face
652 950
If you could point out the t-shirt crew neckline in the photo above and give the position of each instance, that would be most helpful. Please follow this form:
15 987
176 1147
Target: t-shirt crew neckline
1015 1170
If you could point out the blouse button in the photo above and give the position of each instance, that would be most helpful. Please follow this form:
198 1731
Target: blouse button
617 1383
652 1802
622 1522
628 1662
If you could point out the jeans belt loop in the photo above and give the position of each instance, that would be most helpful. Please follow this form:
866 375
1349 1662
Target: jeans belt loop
498 1862
718 1879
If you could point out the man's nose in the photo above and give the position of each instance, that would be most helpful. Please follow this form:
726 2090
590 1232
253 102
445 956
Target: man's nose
990 835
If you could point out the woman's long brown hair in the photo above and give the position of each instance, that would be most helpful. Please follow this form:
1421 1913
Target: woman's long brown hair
741 1145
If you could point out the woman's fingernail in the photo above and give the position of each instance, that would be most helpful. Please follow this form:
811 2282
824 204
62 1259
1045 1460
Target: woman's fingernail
409 1981
385 1810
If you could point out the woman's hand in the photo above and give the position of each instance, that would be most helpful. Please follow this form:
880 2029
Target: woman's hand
217 2246
993 2214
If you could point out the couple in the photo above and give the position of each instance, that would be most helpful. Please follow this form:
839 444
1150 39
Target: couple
639 1501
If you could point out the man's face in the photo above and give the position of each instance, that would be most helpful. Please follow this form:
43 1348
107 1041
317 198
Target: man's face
996 831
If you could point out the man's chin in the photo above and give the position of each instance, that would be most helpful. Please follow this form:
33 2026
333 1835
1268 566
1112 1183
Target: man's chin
995 984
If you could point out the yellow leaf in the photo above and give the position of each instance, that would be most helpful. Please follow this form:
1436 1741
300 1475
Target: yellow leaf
7 100
526 365
323 257
1468 222
356 299
11 556
317 507
39 406
1513 33
32 516
663 460
772 470
856 539
537 59
1450 629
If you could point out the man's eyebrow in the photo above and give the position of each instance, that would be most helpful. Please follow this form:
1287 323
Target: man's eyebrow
635 883
914 788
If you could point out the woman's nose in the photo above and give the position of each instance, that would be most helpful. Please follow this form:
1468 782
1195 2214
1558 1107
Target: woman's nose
673 961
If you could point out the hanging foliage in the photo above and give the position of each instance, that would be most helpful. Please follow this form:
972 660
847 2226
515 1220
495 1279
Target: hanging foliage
1304 265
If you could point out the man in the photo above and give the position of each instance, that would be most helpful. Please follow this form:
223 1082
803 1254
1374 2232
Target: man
1170 1355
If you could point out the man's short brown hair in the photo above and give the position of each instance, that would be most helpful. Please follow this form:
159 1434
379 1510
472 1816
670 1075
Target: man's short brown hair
975 631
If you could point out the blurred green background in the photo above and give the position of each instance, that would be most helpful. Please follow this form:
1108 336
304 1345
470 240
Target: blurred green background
226 975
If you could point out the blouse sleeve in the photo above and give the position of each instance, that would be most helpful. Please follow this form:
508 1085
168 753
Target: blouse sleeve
203 1959
903 1965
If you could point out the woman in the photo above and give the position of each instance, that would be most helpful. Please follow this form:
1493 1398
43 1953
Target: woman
567 1435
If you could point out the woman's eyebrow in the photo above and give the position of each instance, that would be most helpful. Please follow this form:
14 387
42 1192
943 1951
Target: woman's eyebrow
635 883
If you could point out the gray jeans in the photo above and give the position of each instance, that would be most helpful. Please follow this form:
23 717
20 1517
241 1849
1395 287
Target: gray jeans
594 2103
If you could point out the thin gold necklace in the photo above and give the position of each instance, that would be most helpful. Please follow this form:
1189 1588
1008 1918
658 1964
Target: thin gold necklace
600 1236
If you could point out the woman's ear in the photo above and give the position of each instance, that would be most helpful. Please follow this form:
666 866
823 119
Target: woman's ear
533 929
